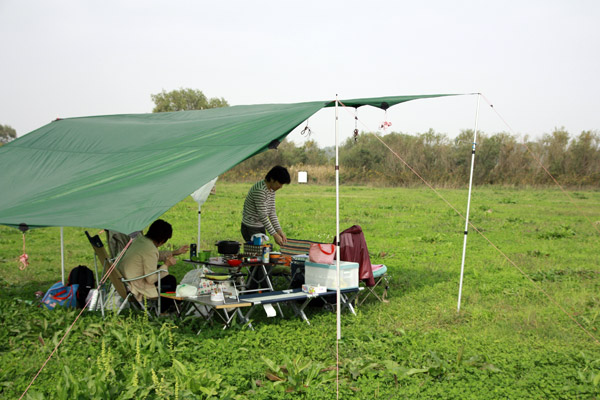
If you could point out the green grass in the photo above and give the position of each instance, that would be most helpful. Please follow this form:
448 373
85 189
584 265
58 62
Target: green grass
508 341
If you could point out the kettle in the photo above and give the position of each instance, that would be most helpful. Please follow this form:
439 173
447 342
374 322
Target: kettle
258 238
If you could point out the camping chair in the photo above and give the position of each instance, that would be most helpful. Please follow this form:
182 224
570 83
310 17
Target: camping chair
381 277
353 247
116 242
119 284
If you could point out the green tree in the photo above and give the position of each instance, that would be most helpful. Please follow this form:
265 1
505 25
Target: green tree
185 100
555 151
585 157
311 154
7 133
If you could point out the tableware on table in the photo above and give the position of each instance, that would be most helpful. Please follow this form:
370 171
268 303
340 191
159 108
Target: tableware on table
217 295
217 277
204 255
234 262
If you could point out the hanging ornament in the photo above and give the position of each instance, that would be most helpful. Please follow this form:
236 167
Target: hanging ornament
385 124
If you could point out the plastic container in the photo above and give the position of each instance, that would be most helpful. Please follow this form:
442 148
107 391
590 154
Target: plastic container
204 255
325 275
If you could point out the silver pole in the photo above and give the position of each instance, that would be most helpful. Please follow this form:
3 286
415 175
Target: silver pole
462 264
199 220
62 254
337 224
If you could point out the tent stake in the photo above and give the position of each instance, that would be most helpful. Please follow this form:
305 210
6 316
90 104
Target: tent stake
462 264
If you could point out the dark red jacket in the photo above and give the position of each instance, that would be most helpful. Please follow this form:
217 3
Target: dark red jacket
353 247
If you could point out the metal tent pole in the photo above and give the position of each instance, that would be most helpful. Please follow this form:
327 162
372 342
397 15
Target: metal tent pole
337 224
462 265
337 249
62 254
199 220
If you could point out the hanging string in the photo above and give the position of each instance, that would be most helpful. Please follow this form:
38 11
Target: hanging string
534 283
355 135
306 131
23 258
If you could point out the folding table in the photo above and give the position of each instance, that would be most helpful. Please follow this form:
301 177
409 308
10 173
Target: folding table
228 306
294 296
219 262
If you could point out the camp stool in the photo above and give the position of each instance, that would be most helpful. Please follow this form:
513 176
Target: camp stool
381 277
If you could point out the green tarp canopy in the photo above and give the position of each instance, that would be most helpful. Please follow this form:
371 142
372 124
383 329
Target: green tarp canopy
121 172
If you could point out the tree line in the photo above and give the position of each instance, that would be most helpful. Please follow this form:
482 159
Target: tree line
500 159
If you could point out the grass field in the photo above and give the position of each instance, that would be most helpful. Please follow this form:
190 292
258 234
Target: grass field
529 334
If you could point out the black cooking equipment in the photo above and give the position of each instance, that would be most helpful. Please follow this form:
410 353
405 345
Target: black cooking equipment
228 247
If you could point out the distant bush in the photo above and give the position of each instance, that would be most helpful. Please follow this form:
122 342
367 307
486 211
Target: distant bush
406 160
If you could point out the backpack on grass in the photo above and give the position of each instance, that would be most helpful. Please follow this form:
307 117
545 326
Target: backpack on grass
84 278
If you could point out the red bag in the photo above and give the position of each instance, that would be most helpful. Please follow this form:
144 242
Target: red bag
321 253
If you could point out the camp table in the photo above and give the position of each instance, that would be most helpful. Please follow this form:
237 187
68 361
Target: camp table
293 296
229 306
220 263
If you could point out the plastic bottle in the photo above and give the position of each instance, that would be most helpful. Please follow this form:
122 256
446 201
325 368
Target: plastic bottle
266 254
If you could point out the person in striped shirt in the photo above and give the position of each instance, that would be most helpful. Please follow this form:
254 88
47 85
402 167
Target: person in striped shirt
259 214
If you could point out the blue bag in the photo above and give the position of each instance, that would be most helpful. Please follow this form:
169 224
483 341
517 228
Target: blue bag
60 295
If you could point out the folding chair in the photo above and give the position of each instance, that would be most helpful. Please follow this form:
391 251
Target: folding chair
353 247
381 277
116 242
119 284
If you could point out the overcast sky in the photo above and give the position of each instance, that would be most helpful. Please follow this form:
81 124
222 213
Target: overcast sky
537 62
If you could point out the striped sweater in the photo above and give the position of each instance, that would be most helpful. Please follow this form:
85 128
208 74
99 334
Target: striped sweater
259 208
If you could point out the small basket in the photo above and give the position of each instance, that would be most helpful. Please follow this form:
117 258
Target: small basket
255 250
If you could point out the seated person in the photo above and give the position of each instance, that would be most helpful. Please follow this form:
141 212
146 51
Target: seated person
142 258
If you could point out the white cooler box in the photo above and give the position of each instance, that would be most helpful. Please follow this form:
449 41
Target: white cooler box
324 274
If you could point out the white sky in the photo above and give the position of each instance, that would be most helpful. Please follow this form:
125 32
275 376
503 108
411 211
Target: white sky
537 61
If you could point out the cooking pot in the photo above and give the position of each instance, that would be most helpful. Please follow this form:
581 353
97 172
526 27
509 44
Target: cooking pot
228 247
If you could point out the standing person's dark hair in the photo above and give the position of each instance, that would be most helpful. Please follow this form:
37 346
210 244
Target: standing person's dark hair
160 231
279 174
